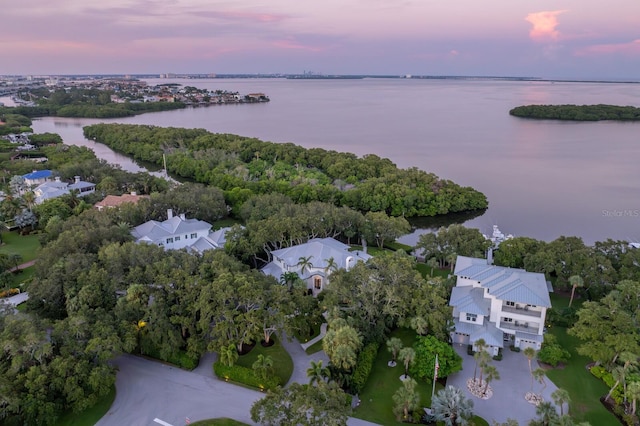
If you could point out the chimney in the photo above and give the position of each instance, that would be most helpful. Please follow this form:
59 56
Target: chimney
169 213
182 216
57 178
134 193
364 245
77 179
490 256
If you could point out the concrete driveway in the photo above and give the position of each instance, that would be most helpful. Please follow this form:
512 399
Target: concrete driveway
508 392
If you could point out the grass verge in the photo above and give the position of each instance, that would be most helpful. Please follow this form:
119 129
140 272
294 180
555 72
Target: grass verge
90 416
316 347
376 400
282 362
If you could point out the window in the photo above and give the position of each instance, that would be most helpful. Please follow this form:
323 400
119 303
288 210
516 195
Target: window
169 240
511 303
194 235
177 238
505 319
317 283
472 317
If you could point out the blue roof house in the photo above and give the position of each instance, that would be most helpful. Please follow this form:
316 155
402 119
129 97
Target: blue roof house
37 177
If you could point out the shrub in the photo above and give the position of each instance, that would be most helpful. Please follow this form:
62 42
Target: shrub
499 356
514 348
361 373
602 374
8 293
243 375
551 352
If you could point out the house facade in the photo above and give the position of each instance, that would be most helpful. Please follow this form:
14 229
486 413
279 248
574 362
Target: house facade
37 177
57 188
503 306
178 232
314 261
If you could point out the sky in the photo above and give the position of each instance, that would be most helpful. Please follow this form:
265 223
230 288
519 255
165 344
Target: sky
526 38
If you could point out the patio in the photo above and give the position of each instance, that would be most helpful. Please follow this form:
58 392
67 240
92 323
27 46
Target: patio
508 392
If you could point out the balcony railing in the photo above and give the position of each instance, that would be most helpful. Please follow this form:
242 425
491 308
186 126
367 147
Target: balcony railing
521 311
517 326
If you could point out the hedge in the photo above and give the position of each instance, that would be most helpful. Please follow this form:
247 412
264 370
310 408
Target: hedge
8 293
602 374
244 375
366 358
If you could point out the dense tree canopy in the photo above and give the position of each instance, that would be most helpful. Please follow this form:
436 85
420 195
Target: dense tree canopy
230 162
578 112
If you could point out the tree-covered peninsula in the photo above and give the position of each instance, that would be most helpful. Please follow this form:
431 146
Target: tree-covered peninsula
243 166
578 112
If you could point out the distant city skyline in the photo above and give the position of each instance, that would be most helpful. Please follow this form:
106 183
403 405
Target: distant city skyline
584 39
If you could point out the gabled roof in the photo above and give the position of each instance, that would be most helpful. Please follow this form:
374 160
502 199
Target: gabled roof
510 284
116 200
82 184
491 334
153 230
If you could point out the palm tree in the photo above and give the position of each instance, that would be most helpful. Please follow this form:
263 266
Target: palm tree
449 405
630 360
263 366
618 375
317 373
483 363
394 345
547 413
634 393
305 264
539 374
407 356
480 347
406 399
228 355
433 264
332 266
491 374
561 397
530 353
575 281
451 260
29 199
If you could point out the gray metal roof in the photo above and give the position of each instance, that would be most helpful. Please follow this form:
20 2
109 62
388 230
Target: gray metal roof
470 299
320 250
529 336
154 231
491 334
510 284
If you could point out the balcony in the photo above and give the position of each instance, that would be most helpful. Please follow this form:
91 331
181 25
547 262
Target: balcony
520 326
521 311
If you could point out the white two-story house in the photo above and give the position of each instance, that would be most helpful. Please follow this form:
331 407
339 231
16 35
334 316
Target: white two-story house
178 232
503 306
314 261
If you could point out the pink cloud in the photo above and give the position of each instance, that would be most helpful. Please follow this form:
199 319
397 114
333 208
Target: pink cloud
292 44
630 48
544 25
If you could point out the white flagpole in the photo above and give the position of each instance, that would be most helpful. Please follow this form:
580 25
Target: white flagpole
435 377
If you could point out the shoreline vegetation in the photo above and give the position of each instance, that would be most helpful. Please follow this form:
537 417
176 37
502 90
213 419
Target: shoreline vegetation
243 167
577 112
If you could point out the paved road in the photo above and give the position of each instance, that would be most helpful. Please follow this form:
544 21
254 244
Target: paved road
149 390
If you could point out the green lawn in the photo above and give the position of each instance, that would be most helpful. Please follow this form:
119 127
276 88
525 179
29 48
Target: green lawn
585 390
24 276
282 362
437 272
376 399
316 347
90 416
219 422
25 245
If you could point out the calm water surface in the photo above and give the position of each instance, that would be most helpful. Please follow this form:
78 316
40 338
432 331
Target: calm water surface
543 178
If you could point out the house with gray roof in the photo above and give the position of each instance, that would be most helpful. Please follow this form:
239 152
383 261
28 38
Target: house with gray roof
57 188
503 306
178 232
314 261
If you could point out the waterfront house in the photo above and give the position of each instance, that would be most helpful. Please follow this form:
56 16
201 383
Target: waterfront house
178 232
37 177
314 261
503 306
57 188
